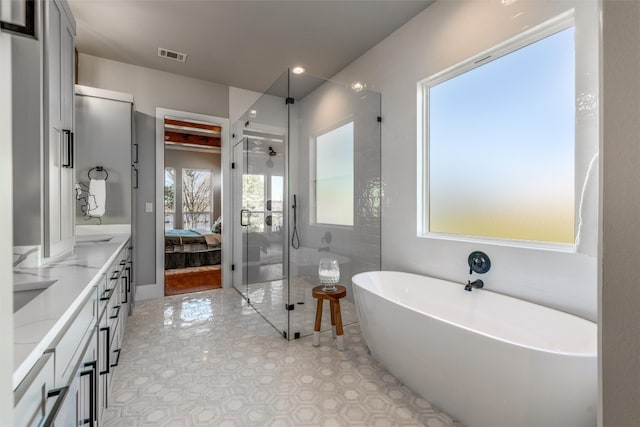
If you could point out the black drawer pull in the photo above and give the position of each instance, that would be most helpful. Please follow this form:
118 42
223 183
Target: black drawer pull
108 331
105 297
115 316
125 289
135 157
115 274
117 358
61 393
67 157
92 392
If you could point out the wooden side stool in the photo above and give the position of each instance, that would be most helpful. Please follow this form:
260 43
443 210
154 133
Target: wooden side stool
336 315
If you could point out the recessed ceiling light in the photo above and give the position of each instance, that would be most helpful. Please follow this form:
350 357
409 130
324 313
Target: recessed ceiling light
357 86
298 70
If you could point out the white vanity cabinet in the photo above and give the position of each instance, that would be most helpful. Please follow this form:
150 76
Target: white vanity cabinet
71 382
58 49
54 392
112 321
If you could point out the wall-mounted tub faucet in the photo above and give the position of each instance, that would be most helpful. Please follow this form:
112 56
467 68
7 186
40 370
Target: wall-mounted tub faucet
475 284
479 263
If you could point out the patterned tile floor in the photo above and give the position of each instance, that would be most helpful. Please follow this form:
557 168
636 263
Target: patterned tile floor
268 299
208 359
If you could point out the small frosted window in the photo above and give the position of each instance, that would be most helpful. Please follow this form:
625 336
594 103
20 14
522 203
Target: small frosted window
501 144
334 176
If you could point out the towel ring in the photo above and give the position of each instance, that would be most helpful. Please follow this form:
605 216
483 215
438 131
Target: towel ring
98 169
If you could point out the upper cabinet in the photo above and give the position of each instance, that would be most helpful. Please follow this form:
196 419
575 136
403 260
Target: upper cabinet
58 117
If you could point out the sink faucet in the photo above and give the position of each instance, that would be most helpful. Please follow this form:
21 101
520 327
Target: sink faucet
475 284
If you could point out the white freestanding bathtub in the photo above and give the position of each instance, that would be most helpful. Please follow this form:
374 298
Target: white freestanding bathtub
487 359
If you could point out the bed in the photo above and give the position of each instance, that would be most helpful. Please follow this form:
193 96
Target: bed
191 248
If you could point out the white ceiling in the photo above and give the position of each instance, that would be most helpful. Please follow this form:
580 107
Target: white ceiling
240 43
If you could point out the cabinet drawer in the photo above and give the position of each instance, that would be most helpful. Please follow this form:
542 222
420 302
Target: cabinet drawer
114 307
31 405
114 356
68 348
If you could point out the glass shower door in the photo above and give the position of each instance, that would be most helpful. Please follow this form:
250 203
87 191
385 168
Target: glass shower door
239 219
259 199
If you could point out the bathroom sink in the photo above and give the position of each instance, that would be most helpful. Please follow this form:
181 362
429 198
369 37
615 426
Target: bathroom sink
23 293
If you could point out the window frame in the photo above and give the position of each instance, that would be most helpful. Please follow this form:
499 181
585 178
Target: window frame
530 36
313 166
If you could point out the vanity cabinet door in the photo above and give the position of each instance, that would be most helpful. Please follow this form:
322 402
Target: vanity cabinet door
70 345
87 407
104 363
58 53
31 403
78 408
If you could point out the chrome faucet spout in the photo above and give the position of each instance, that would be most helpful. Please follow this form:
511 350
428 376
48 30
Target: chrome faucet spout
475 284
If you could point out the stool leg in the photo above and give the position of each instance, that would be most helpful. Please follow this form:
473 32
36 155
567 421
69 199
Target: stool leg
332 306
316 328
339 331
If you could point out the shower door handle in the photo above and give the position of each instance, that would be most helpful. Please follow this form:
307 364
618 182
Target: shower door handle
242 212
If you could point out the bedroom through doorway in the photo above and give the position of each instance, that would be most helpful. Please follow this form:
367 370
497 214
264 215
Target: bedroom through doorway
192 205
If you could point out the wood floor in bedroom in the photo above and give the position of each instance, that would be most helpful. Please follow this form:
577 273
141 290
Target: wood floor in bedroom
192 279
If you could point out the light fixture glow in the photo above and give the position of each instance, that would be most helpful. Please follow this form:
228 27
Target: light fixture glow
298 70
357 86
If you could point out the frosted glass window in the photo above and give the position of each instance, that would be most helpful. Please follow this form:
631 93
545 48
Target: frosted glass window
334 176
501 146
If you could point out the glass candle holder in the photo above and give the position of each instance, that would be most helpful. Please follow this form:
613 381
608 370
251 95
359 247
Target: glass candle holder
329 273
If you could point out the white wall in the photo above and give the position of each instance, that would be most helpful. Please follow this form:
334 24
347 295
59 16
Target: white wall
150 89
153 88
443 35
239 102
6 245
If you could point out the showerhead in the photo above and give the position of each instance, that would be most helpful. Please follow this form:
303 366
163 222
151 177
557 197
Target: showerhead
272 152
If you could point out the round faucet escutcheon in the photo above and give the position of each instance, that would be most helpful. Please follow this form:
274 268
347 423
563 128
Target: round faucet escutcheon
479 262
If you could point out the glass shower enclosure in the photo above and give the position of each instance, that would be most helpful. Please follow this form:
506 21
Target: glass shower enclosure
306 184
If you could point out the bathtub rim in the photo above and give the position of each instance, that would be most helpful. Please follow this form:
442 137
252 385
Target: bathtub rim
593 354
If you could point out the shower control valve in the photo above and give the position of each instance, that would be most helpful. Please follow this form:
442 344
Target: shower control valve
479 262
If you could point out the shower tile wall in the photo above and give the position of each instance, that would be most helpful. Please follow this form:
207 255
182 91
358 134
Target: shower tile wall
327 107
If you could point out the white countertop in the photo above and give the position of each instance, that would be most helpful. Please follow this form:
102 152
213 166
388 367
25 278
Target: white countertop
37 324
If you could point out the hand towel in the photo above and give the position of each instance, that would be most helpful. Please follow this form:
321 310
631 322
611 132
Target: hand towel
97 197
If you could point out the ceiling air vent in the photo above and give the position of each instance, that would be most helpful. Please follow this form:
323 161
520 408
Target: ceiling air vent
170 54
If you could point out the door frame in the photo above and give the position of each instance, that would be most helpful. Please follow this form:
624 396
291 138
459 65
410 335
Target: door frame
239 138
225 196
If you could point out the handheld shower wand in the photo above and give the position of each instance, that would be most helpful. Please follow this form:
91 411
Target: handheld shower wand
295 239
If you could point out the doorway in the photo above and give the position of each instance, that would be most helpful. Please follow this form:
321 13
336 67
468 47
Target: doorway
190 245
